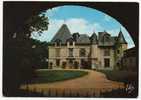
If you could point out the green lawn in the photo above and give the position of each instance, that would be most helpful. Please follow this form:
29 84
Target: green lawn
47 76
121 76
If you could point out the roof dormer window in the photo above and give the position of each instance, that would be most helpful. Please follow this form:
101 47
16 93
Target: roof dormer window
58 42
70 41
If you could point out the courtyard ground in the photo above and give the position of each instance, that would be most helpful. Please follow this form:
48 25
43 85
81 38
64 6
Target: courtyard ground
93 82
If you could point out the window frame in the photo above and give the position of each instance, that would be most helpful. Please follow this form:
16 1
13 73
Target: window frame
82 52
71 50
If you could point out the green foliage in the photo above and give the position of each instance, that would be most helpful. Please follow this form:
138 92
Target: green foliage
128 77
39 53
46 76
38 23
24 58
121 76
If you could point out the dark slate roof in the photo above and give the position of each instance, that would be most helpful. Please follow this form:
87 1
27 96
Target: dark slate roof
63 34
83 38
105 39
58 40
100 35
70 39
114 39
121 38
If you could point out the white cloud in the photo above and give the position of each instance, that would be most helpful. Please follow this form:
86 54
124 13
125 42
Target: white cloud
97 27
79 25
82 26
74 24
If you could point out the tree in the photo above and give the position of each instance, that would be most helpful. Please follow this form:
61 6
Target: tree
19 54
39 53
37 24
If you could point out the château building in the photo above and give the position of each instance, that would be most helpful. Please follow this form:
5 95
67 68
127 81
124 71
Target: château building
101 51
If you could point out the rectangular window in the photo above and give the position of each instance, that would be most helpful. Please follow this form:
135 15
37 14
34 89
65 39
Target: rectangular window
118 51
82 52
106 62
57 62
64 64
107 52
57 52
71 43
70 52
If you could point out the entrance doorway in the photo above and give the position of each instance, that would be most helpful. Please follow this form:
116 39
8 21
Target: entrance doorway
57 62
70 62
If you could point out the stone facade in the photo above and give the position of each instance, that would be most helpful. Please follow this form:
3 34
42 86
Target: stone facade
81 51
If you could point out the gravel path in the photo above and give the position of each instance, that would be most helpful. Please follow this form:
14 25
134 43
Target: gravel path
96 81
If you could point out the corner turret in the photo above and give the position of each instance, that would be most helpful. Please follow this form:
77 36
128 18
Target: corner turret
121 38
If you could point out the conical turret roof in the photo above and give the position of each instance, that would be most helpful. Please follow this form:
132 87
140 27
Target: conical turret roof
63 34
121 38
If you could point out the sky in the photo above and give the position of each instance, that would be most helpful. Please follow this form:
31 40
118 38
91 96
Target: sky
83 20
